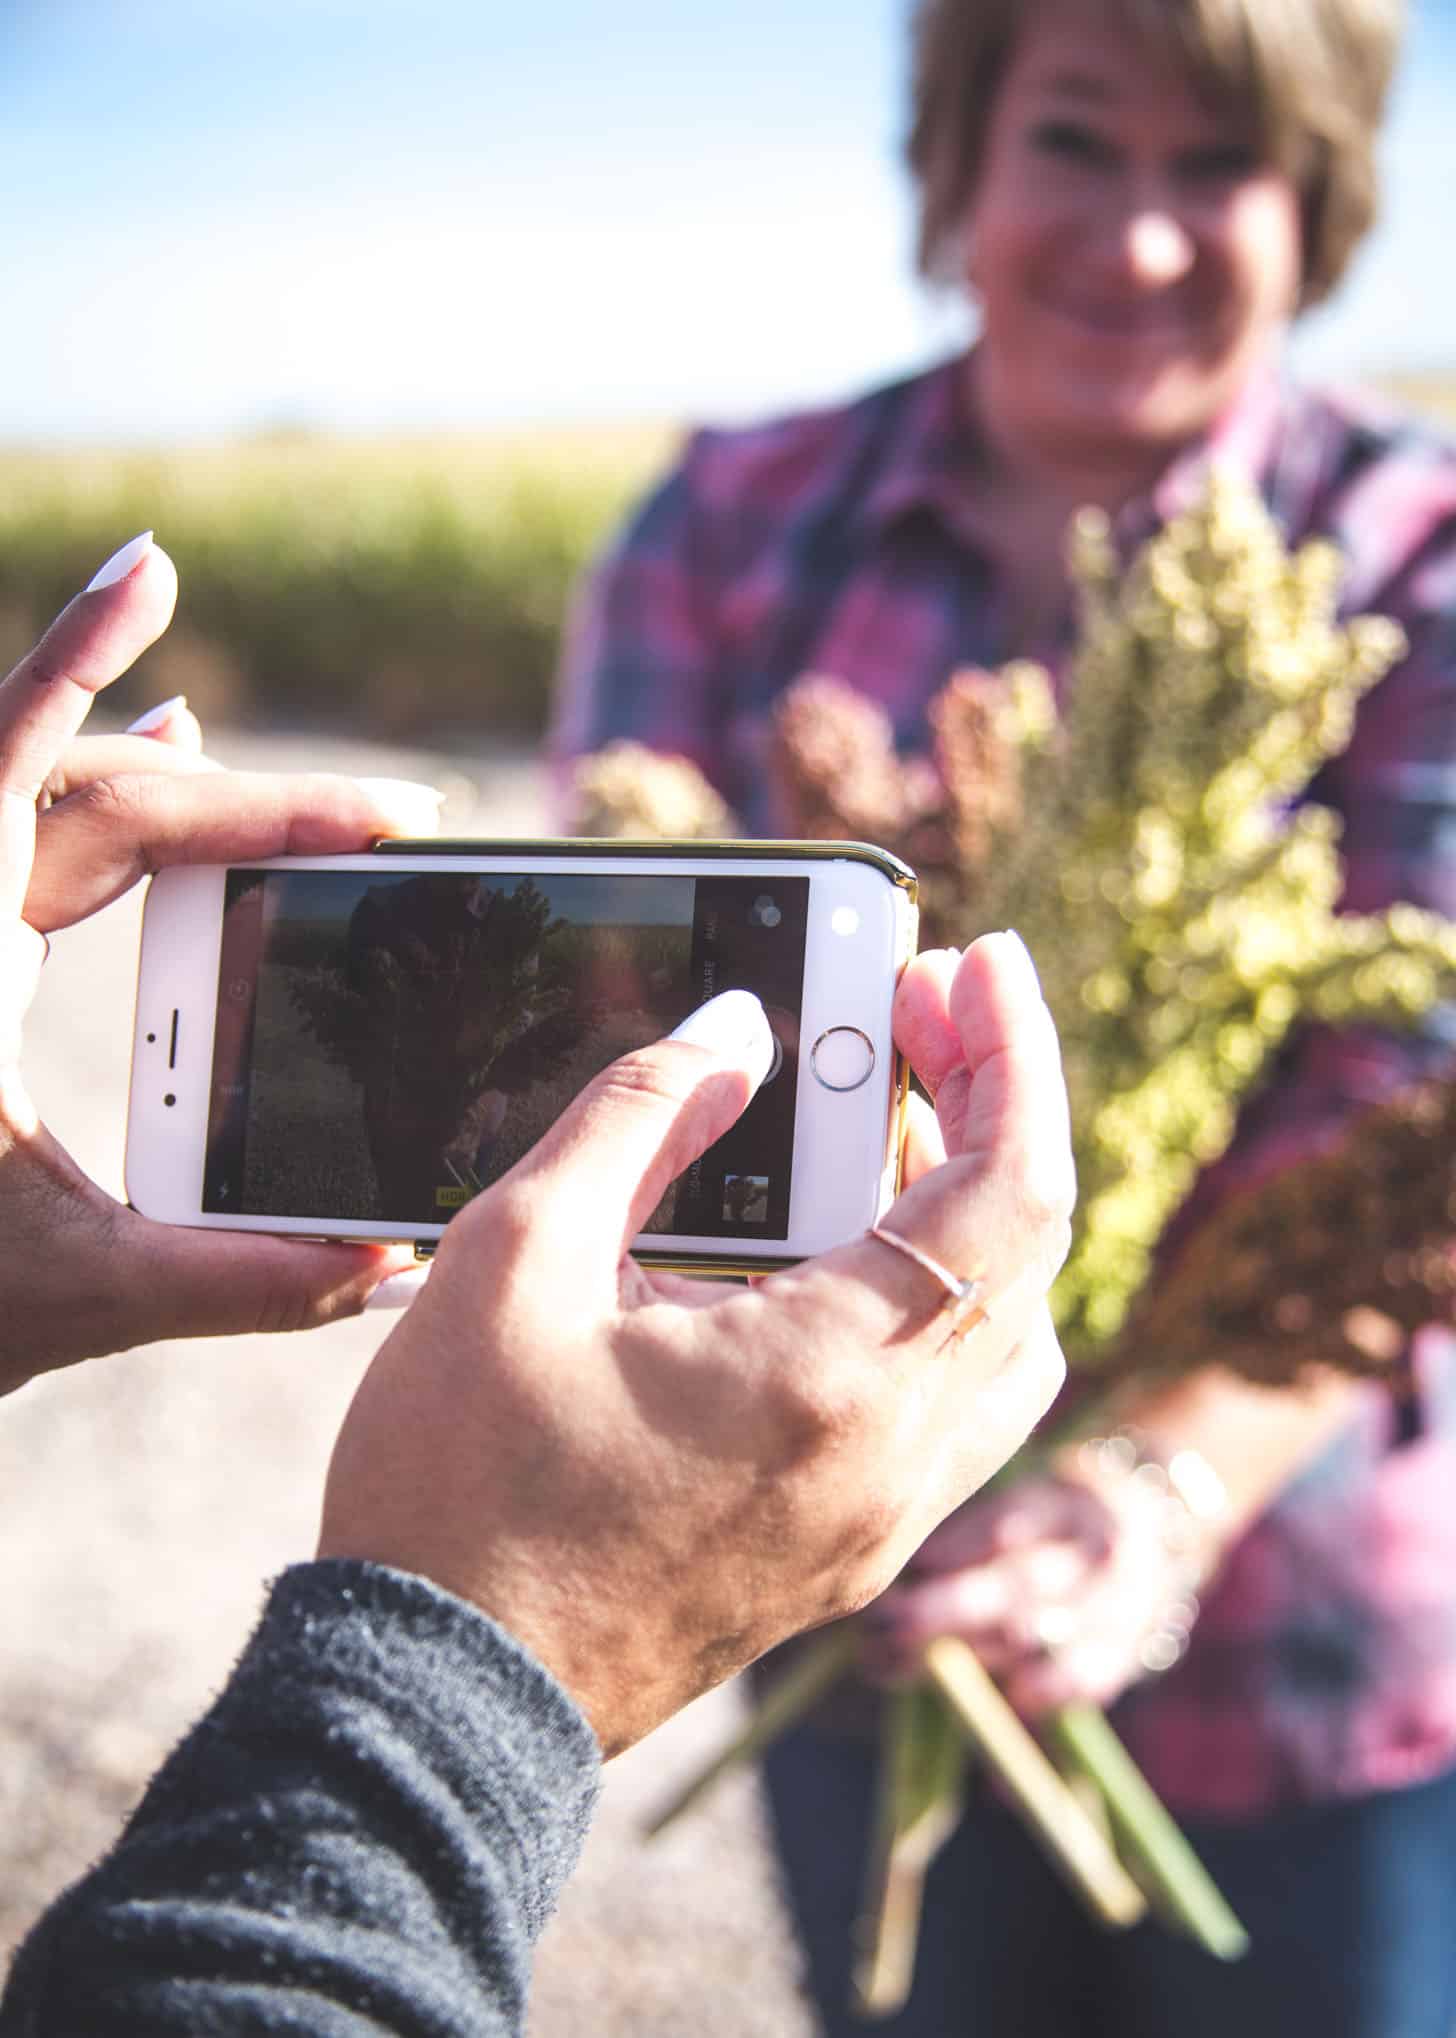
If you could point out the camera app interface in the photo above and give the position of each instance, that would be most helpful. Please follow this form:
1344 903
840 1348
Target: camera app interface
389 1045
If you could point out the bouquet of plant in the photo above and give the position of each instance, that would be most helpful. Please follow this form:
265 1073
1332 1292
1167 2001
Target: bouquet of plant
1151 846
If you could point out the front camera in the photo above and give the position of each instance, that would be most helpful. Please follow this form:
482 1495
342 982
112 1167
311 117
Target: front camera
169 1098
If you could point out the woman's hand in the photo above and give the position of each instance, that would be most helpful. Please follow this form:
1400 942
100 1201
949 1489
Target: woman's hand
651 1480
1060 1585
81 820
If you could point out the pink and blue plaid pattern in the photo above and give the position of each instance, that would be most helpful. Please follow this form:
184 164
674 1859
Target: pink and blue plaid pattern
841 542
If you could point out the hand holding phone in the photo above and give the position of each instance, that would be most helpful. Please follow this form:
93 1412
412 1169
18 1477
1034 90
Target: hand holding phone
651 1480
81 820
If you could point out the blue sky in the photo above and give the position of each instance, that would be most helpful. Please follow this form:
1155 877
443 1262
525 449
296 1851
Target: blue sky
231 214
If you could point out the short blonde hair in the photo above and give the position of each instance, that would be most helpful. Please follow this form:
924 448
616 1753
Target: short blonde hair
1313 75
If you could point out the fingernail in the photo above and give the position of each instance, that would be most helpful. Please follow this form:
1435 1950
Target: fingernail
413 808
735 1025
121 563
399 1290
1010 934
157 717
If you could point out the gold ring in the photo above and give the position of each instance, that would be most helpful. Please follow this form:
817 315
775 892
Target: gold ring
962 1293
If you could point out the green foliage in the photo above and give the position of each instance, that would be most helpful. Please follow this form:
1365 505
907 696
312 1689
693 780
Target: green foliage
404 589
1181 918
1181 908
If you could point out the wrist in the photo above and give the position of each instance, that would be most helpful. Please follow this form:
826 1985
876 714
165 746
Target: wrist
1178 1498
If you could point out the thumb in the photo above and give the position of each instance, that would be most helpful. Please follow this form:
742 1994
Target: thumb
205 1283
599 1172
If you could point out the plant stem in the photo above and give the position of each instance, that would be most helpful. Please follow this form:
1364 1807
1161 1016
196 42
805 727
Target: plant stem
922 1764
1070 1837
1174 1877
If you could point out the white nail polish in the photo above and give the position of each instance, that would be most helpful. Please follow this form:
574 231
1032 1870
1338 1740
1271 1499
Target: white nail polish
405 788
399 1290
157 717
121 563
1010 934
733 1024
412 806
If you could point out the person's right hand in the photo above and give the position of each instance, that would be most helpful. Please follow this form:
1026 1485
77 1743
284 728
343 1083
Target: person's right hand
650 1480
82 819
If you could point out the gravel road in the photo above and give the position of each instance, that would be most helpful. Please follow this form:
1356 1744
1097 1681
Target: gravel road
144 1499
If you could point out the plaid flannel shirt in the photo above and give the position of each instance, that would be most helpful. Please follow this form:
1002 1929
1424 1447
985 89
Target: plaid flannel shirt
841 542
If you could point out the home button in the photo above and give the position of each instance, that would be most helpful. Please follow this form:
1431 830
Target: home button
842 1058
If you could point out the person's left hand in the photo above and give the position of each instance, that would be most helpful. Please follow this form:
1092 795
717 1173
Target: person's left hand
81 821
1057 1583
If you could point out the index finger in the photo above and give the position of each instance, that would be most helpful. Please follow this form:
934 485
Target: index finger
1000 1205
45 699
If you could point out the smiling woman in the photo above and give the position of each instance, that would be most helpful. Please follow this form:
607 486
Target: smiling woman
1303 92
1141 196
1134 248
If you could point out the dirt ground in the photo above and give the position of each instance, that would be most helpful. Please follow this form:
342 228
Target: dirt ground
144 1500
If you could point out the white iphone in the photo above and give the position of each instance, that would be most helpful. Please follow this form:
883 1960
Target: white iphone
354 1046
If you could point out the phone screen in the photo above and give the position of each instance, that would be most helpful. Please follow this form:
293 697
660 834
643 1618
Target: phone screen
389 1044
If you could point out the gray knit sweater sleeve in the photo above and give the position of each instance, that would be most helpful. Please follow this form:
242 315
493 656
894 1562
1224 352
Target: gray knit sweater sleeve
365 1834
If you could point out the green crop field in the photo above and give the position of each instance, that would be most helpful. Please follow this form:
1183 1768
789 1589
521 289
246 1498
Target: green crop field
407 589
